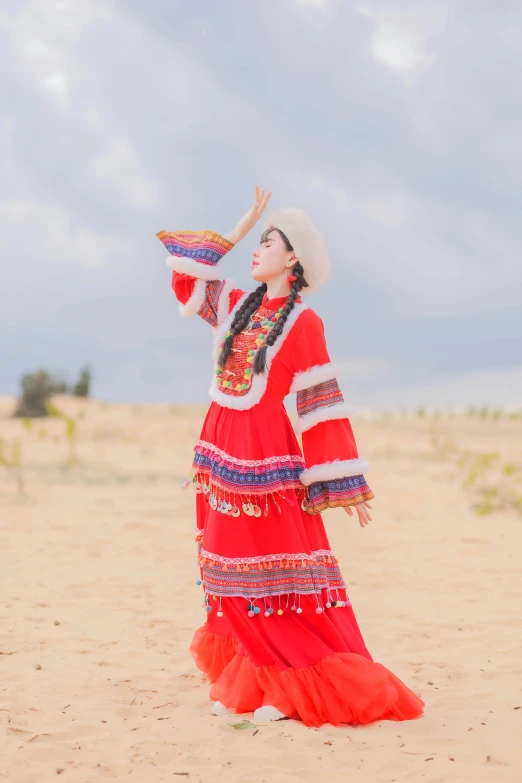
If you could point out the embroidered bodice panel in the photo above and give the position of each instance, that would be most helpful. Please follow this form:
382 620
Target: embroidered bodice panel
235 377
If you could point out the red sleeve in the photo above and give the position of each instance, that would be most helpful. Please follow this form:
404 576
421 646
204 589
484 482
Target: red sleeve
183 286
195 260
212 300
333 466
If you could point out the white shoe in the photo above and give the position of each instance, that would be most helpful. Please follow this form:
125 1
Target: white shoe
268 712
219 709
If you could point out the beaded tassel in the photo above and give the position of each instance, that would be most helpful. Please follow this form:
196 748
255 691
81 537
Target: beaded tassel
220 499
268 610
252 609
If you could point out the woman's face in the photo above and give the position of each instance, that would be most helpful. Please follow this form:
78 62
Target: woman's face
271 258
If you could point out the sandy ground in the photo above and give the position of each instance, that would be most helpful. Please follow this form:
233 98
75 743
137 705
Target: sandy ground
99 605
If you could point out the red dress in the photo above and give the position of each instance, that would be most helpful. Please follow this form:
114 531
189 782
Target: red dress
280 628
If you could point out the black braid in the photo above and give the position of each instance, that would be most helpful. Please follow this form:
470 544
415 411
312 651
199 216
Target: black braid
240 320
297 284
251 304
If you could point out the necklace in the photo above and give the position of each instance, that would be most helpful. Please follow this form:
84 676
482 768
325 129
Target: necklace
255 322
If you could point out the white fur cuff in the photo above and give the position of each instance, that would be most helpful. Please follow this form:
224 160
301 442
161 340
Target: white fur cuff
188 266
196 299
314 375
340 410
339 468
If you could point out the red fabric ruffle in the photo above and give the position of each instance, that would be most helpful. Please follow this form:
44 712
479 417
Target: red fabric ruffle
341 688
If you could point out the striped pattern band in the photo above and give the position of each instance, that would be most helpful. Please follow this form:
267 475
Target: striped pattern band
338 492
247 476
209 309
206 247
319 396
272 575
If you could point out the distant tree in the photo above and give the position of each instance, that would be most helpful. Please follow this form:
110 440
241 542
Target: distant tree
37 388
82 388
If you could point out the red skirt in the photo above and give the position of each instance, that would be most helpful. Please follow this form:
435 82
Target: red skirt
280 629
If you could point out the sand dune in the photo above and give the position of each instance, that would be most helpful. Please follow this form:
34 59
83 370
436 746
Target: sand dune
99 605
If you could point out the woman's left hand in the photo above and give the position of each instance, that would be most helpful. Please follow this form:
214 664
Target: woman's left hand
249 220
361 508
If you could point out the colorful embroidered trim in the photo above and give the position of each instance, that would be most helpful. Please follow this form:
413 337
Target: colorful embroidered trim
246 476
249 463
204 246
337 492
319 396
269 575
264 561
254 394
314 375
237 375
209 309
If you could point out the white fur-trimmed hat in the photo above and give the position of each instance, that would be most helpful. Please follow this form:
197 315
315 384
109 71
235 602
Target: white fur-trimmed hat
308 243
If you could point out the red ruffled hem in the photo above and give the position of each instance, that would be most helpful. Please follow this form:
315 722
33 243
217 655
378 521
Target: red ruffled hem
341 688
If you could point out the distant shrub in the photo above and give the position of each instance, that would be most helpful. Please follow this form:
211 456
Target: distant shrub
83 387
37 389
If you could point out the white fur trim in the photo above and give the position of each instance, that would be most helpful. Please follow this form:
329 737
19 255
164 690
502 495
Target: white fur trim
224 300
339 410
259 382
308 243
188 266
339 468
319 373
195 300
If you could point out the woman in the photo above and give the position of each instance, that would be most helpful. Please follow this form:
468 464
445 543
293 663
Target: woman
280 636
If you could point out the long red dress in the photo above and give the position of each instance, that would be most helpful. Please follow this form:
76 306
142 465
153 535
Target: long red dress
280 629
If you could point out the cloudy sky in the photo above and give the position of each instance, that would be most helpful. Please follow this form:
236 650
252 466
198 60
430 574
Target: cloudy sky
396 124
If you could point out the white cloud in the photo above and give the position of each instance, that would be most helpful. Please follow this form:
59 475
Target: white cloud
429 260
376 382
502 387
386 212
117 167
55 233
42 36
401 37
120 120
43 61
57 83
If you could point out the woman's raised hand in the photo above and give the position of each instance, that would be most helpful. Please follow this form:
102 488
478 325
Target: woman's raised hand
364 515
249 220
